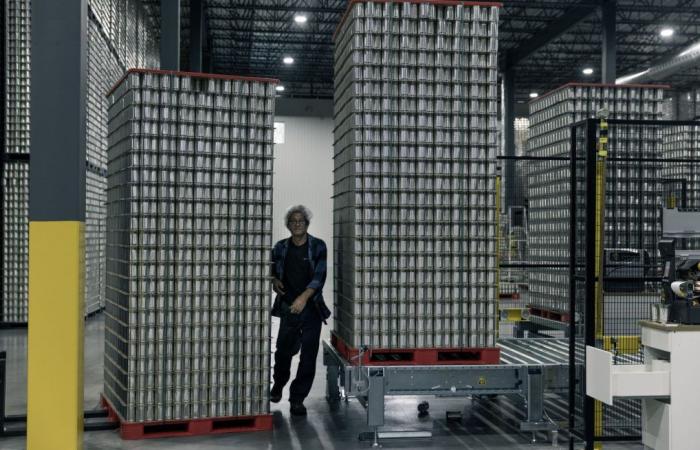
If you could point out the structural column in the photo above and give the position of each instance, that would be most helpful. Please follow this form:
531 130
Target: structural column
56 225
509 176
170 34
196 35
608 71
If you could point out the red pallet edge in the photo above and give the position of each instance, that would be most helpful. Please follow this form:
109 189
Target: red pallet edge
513 296
420 356
186 427
434 2
214 76
556 316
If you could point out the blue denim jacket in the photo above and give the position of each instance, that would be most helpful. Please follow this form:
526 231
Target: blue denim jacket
317 256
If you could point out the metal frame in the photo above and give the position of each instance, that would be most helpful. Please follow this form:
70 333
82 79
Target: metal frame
529 367
549 40
585 270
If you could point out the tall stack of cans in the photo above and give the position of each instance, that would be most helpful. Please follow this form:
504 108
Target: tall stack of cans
551 118
189 229
120 35
15 172
415 174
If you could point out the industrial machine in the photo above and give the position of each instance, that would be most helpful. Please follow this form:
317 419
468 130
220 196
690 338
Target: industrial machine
528 368
680 285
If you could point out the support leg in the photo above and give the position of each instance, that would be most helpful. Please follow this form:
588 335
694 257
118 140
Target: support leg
535 395
375 402
332 390
535 404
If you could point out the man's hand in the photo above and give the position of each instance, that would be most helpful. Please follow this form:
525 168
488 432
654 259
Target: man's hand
278 286
299 304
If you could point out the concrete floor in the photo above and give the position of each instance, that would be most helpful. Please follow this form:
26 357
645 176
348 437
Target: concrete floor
324 428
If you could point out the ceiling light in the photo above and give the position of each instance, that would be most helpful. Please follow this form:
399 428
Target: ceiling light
533 94
300 18
666 32
587 71
279 88
288 60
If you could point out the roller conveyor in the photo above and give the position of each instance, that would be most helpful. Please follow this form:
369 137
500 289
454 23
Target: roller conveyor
529 367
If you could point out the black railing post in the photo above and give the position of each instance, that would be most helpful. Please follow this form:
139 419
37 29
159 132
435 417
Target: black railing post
590 255
572 289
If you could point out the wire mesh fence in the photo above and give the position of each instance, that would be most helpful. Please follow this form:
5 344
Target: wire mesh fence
629 173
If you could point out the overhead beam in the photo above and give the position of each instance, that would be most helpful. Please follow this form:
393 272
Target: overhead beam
229 28
295 9
170 34
544 37
609 56
196 35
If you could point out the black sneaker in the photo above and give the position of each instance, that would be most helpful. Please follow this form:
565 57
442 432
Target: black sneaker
275 394
297 409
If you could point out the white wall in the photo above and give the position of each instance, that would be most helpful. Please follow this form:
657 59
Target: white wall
304 175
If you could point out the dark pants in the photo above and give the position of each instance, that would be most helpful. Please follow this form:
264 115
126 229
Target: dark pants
297 331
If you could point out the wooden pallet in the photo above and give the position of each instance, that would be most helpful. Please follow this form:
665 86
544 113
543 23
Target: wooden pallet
418 356
187 427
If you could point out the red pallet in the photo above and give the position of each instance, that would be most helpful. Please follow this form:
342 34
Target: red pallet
187 427
556 316
419 356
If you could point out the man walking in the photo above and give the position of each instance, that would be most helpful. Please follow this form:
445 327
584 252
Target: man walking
298 270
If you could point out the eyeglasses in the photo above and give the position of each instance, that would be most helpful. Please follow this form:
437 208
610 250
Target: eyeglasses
297 222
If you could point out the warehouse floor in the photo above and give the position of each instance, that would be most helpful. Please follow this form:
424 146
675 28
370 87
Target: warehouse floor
324 428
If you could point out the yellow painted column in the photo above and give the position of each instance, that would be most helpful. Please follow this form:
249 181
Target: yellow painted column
56 320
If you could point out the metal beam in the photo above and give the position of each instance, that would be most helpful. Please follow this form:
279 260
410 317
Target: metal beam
56 224
544 37
170 34
609 56
300 9
196 35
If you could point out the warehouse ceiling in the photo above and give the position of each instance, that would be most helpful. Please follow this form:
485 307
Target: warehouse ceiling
251 37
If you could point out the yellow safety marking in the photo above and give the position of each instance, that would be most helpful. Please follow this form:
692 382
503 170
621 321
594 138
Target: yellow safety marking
513 314
482 380
602 153
623 344
55 352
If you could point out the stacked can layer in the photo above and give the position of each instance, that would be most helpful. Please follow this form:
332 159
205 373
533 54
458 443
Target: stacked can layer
120 36
415 175
632 221
682 180
188 239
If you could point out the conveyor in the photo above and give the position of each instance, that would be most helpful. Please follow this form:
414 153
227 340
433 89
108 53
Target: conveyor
529 367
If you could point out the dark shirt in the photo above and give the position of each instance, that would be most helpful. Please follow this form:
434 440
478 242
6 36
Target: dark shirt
318 251
297 271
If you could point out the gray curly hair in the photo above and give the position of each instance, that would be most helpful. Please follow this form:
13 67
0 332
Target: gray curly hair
301 209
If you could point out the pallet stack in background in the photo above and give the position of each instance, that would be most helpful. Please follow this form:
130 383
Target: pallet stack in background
681 178
551 118
15 163
189 230
416 140
120 36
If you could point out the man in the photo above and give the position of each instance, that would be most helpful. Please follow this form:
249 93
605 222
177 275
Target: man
298 270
